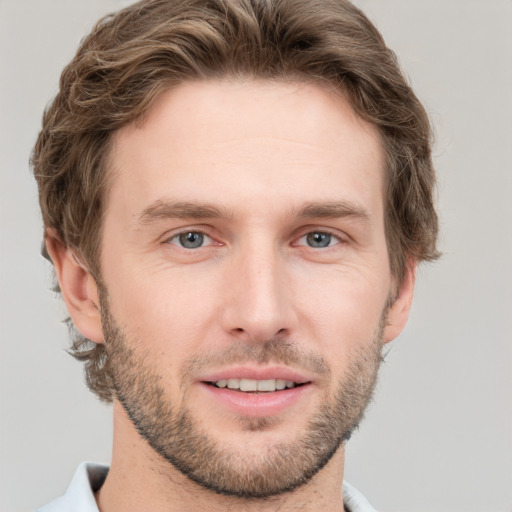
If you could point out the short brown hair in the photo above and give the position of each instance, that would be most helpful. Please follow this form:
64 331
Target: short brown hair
132 56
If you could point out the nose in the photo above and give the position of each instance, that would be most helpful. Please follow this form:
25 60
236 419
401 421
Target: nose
258 302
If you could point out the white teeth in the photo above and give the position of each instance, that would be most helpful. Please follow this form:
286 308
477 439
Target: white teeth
266 385
234 383
280 384
247 385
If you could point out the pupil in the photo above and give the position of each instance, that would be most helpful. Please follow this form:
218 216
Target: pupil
191 240
319 239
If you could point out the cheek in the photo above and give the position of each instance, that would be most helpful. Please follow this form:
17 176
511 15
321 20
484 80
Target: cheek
342 309
168 311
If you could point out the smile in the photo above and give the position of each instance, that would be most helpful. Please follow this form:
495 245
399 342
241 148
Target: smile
257 391
255 386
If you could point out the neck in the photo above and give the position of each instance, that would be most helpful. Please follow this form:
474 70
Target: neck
139 479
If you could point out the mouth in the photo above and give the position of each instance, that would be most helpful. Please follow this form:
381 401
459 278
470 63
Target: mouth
256 386
253 391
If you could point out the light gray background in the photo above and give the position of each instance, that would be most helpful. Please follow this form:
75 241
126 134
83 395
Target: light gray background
439 435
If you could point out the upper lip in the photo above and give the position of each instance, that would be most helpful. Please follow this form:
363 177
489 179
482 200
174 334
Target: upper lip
257 373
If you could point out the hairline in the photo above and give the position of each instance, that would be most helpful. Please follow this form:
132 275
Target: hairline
109 171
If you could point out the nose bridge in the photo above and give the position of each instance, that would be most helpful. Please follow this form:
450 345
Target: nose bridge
258 304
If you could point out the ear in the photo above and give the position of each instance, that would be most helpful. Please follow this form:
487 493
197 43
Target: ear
400 308
78 287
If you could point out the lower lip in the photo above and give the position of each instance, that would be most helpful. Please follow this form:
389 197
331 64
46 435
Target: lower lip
254 405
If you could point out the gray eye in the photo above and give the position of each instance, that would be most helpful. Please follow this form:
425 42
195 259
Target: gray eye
191 240
318 239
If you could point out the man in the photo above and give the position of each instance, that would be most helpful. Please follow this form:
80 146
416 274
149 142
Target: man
236 195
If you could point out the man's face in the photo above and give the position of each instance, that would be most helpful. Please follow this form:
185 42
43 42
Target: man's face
244 252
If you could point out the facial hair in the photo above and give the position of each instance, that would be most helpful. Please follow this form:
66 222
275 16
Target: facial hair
277 469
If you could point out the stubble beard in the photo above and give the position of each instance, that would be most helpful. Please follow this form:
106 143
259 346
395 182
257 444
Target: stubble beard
277 469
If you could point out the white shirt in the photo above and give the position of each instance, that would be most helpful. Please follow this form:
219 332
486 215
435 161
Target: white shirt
89 477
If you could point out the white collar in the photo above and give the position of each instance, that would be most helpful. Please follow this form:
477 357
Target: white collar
89 477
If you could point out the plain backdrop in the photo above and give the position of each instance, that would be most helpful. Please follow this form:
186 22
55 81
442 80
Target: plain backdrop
439 436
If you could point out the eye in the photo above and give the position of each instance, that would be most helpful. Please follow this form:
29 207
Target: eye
319 239
191 239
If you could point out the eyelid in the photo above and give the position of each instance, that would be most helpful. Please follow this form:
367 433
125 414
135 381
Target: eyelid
207 239
168 237
341 237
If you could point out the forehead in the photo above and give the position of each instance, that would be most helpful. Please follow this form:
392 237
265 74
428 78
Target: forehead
245 142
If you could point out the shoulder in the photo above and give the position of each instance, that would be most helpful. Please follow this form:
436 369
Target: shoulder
354 501
79 497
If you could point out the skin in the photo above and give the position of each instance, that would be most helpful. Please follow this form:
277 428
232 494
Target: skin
261 154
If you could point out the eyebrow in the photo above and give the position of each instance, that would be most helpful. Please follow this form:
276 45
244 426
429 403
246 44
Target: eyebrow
162 209
334 210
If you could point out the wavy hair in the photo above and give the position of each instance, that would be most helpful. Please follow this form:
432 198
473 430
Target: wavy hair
130 57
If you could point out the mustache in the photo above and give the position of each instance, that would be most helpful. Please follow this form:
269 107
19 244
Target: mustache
275 351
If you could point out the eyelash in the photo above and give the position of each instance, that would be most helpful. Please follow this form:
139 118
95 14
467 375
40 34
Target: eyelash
325 233
178 239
